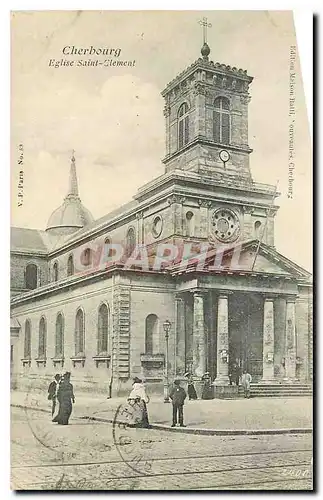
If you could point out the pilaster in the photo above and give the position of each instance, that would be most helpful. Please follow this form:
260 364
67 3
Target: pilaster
204 212
121 333
140 227
200 109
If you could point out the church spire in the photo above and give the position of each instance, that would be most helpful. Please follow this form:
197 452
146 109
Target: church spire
72 187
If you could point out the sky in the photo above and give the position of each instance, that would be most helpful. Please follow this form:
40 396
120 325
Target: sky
113 117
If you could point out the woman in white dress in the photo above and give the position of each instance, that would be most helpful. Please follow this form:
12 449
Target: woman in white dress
246 380
138 398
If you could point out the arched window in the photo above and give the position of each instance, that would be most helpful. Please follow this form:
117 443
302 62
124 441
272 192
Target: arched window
31 276
151 332
131 241
59 336
86 257
189 219
42 339
55 271
108 252
257 229
79 333
70 266
221 120
27 344
183 125
103 329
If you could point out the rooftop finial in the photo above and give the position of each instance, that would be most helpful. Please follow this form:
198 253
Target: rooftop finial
205 51
73 188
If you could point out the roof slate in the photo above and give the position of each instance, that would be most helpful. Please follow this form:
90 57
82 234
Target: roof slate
28 240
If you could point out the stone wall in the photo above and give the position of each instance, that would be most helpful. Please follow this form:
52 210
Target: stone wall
67 303
18 264
130 300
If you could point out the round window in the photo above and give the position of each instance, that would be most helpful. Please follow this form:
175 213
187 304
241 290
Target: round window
157 226
225 225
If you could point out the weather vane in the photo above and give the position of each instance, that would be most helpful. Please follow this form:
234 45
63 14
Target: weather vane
205 25
73 155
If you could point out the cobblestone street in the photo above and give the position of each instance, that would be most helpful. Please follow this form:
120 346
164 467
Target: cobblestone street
97 456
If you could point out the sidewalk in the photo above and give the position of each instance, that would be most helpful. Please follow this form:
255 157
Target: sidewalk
233 416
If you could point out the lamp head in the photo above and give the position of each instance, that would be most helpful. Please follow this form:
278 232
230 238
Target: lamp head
167 325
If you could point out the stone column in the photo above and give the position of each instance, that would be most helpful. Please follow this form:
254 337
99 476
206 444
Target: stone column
199 358
179 362
290 339
222 377
268 341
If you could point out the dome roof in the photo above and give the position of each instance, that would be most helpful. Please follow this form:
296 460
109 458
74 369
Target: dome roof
71 215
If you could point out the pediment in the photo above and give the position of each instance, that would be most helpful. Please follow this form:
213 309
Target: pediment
248 257
252 257
250 260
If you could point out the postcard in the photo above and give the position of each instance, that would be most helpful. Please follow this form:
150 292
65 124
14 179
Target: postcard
161 325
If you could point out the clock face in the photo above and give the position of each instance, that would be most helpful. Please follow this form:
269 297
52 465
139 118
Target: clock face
225 225
224 155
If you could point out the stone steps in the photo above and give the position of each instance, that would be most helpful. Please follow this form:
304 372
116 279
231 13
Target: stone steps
279 390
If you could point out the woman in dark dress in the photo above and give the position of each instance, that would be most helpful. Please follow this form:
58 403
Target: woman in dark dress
65 396
190 386
206 392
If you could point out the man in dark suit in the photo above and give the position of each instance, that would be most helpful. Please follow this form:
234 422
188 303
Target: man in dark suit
52 391
178 396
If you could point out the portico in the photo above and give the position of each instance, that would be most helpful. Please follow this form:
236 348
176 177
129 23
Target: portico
240 322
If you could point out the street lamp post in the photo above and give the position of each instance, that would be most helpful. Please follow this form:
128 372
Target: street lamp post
167 326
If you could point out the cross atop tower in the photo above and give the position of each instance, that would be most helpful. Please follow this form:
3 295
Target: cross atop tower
205 25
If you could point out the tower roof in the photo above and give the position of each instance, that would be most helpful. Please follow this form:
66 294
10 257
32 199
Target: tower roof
71 215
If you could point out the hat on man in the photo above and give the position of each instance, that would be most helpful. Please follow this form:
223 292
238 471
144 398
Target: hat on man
137 380
177 382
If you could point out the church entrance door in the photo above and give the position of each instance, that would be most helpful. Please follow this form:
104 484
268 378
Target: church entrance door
246 333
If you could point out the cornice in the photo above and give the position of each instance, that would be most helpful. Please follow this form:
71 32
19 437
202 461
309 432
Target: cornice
29 253
77 281
217 68
205 142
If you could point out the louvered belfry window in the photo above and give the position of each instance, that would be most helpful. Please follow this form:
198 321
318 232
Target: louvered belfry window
221 120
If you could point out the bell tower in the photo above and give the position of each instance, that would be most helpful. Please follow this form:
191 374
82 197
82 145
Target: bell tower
206 112
207 182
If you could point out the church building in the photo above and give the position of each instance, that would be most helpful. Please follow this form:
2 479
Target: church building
222 293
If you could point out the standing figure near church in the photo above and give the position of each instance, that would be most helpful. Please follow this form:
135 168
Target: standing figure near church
178 396
190 386
246 380
206 391
52 391
236 372
138 398
65 397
